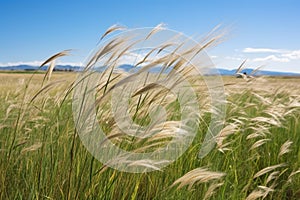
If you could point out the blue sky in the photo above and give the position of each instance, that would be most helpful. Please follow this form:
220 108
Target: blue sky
266 32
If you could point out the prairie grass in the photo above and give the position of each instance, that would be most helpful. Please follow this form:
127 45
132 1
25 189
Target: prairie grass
42 154
257 153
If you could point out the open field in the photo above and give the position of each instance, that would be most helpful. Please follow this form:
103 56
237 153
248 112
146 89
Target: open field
256 156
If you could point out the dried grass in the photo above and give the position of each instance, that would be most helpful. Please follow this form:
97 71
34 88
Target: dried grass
197 176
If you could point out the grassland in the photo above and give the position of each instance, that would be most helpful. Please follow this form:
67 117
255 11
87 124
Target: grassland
257 153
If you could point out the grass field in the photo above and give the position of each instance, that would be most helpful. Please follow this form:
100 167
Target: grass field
257 153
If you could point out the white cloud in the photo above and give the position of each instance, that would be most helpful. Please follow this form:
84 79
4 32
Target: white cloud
271 58
292 54
282 53
32 63
37 63
233 58
275 55
262 50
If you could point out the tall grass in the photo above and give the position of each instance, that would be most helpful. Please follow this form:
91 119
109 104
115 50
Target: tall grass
256 153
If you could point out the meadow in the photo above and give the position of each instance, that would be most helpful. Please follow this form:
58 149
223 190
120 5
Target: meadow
177 133
256 155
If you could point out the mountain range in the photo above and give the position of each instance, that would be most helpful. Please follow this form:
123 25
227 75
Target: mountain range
127 68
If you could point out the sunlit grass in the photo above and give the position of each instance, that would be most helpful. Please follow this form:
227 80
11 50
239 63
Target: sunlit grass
257 153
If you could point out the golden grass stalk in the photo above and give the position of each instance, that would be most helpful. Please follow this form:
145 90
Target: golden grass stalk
55 56
216 36
112 136
151 164
211 190
259 143
224 133
256 70
260 129
50 70
162 130
267 190
147 147
262 192
196 176
263 100
292 174
45 89
111 29
33 147
256 194
110 47
159 27
267 120
240 67
268 169
51 60
255 135
285 148
273 175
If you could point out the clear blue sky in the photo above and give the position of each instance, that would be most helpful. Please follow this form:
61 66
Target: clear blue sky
264 31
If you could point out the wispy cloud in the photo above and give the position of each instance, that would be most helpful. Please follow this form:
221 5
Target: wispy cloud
263 50
275 55
271 58
233 58
292 54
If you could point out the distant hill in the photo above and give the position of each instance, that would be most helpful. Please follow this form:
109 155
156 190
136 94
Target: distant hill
227 72
128 68
32 68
